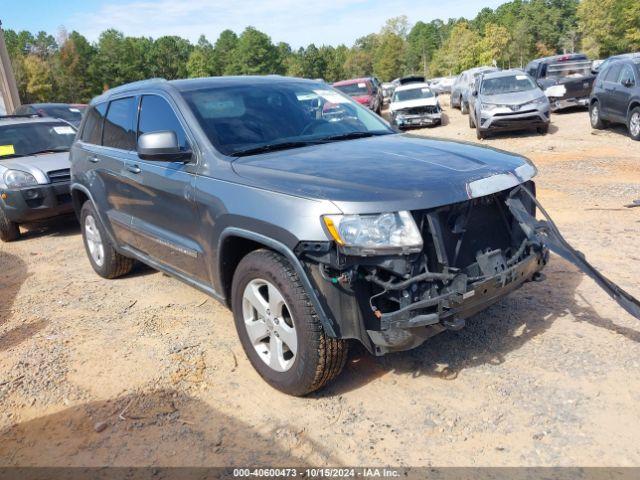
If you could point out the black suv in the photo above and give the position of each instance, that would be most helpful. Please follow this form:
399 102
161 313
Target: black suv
616 96
305 212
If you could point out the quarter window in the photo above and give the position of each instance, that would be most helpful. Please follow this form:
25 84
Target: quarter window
92 130
118 126
156 115
626 75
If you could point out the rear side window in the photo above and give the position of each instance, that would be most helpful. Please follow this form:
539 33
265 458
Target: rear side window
118 125
612 73
156 115
627 75
92 131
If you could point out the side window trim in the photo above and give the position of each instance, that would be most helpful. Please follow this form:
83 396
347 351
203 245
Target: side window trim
176 112
136 99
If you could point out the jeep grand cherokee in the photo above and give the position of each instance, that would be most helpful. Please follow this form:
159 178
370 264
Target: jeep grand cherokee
307 214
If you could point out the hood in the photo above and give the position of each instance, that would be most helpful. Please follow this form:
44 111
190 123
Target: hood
378 174
37 165
363 99
514 98
418 102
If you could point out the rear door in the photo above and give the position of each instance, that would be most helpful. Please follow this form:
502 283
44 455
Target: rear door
165 217
609 83
118 147
622 92
100 168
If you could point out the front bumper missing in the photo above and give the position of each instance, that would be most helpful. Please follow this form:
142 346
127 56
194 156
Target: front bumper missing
562 103
420 120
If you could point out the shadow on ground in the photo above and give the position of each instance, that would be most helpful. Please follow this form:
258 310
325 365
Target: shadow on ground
59 227
488 337
13 273
160 428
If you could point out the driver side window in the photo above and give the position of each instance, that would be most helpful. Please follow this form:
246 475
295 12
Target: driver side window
156 115
626 76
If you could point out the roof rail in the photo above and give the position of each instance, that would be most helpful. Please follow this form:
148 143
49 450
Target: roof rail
138 83
24 115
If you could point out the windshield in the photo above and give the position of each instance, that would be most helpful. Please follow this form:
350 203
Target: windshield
515 83
413 94
243 118
569 69
23 139
70 114
354 89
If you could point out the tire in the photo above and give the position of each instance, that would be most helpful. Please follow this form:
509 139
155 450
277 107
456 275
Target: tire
480 135
633 124
595 116
543 130
108 263
472 124
9 231
316 360
464 107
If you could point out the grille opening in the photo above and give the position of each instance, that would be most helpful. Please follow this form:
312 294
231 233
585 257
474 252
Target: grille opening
57 176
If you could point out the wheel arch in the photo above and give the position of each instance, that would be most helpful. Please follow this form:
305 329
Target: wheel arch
633 104
235 243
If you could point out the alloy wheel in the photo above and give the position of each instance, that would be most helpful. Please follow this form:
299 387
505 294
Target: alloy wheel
634 124
94 240
269 325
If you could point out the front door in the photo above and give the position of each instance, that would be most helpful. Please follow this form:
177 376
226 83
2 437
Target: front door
621 96
165 217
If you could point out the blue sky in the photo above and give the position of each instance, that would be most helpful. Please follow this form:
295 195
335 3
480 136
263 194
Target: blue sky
297 22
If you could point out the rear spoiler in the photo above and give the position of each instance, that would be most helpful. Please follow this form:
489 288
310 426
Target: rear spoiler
548 233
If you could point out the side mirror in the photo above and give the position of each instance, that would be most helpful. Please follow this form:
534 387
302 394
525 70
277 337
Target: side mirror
161 146
474 93
628 83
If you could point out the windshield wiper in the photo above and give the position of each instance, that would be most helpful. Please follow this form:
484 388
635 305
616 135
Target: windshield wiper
272 147
351 136
48 150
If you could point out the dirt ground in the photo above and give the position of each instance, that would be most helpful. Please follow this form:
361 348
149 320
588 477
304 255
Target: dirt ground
144 370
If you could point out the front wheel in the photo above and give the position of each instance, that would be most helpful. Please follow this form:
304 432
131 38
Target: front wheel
543 130
278 327
472 124
594 115
464 107
9 231
634 123
480 134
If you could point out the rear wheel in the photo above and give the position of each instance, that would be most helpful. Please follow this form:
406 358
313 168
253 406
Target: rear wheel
594 115
9 231
103 257
634 123
278 327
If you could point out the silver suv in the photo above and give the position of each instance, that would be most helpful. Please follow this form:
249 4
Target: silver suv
34 171
506 101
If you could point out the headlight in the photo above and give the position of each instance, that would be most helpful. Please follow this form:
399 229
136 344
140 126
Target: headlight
556 91
490 106
538 101
375 234
18 179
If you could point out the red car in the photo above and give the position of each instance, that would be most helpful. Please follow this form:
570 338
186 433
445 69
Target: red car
365 91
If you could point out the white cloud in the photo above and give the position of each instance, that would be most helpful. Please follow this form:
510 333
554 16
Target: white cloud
296 22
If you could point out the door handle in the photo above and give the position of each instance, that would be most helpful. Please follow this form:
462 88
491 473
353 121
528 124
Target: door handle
94 159
133 168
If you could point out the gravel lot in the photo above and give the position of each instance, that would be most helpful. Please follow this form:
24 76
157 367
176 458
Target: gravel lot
147 371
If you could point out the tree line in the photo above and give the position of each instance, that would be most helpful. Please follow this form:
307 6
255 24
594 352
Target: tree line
69 68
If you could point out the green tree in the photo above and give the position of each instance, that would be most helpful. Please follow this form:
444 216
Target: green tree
422 42
255 55
493 46
223 52
168 57
71 70
459 52
388 59
39 84
200 62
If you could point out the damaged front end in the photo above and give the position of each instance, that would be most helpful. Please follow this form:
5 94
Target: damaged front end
472 254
